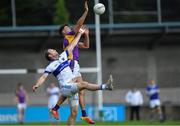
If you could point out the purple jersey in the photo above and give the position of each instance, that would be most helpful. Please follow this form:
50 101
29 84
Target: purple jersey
67 40
21 96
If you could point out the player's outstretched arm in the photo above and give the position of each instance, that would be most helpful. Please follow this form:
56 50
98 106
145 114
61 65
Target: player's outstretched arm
85 43
81 20
39 82
76 39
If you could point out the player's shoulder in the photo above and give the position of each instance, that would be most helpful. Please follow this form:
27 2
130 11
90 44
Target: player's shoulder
52 64
64 54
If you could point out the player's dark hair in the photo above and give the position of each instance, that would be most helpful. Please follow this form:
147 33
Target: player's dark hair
61 28
46 53
19 84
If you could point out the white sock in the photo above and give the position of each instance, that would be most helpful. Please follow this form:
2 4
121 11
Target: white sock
103 86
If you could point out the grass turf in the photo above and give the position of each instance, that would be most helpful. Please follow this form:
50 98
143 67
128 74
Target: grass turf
126 123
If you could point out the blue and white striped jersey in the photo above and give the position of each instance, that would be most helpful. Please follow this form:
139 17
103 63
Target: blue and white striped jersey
60 69
153 92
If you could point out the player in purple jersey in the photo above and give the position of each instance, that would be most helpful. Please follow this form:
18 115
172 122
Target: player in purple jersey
60 68
69 34
21 99
152 91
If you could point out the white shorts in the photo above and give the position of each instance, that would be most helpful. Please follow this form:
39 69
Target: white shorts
68 89
21 105
76 70
74 100
52 101
155 103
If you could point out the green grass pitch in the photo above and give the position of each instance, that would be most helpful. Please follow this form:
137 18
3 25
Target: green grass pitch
127 123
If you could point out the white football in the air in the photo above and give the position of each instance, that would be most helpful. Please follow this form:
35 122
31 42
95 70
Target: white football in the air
99 8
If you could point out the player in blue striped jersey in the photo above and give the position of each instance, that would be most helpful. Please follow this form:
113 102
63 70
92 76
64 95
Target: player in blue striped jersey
152 91
60 68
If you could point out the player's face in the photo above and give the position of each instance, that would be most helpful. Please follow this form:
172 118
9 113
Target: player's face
152 82
53 54
21 87
66 30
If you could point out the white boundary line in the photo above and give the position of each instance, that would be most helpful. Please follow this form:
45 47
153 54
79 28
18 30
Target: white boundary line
13 71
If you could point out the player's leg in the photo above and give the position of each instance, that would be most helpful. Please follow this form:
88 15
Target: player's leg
20 116
72 117
54 110
77 74
20 113
75 87
82 104
73 102
50 106
159 111
152 114
153 110
50 117
81 98
94 87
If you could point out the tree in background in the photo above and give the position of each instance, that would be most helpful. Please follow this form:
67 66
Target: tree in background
61 14
34 12
5 13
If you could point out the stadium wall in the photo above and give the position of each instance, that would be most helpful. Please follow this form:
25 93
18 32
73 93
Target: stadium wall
129 66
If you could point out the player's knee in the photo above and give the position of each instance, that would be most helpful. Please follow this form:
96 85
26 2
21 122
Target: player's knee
79 79
81 93
159 110
84 84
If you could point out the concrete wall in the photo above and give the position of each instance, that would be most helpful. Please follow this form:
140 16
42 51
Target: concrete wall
129 66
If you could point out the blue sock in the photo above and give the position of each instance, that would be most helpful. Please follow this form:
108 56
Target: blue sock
56 107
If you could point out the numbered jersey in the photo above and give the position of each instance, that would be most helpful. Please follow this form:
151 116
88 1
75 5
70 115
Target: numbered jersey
60 69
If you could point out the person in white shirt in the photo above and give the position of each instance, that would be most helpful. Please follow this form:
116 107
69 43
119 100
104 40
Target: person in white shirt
135 99
53 93
68 84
